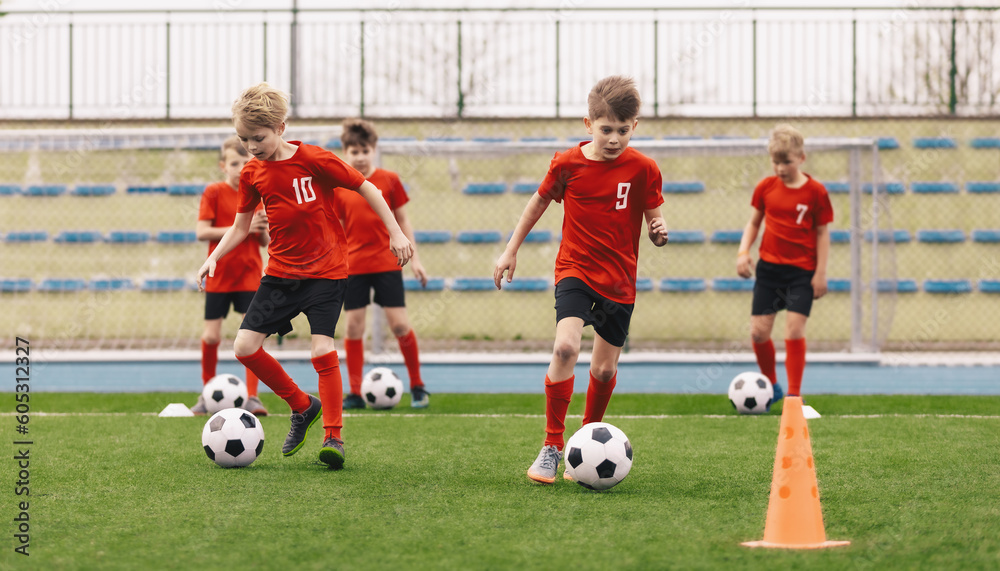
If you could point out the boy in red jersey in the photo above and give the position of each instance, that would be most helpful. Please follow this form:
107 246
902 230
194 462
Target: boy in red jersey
791 272
307 268
238 275
373 267
606 189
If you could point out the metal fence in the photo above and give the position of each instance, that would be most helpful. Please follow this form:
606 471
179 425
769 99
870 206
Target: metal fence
519 63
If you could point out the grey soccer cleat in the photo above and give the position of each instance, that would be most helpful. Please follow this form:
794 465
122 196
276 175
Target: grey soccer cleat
545 466
301 423
332 453
419 397
199 407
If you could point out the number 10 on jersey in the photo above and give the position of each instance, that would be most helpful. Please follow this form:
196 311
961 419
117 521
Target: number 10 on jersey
304 189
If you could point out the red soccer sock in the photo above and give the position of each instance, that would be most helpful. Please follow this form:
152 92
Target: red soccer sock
355 350
795 364
411 356
269 371
598 396
209 360
765 359
331 392
557 397
252 382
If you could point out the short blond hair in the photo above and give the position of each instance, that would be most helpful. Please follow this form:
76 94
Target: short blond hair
234 144
785 140
616 98
261 106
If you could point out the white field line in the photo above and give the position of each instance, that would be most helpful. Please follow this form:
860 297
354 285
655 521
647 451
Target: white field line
610 416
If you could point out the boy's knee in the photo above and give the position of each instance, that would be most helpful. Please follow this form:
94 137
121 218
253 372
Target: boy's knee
566 352
401 330
210 339
603 374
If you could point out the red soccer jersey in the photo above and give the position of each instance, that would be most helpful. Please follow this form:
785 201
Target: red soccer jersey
307 239
367 237
240 269
791 216
603 207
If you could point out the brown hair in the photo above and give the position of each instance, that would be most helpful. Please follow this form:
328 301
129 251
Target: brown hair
615 97
785 140
358 132
234 144
261 106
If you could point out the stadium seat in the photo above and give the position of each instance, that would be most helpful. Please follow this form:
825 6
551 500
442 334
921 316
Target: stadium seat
899 286
525 284
10 189
686 237
62 285
727 236
128 237
887 143
539 139
445 139
681 187
479 236
940 236
15 285
947 286
934 143
485 188
732 284
23 236
146 190
840 236
986 236
525 187
897 236
432 236
982 187
334 144
833 187
164 284
683 284
176 237
643 284
473 284
491 140
985 143
838 285
536 237
433 284
989 286
93 190
79 237
934 188
886 187
45 190
111 284
185 189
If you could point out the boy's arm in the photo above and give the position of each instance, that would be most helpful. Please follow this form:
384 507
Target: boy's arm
508 260
743 259
258 226
205 232
400 246
657 227
407 228
232 238
822 255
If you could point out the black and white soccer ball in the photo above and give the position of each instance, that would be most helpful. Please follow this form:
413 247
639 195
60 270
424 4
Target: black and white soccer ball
233 438
751 393
381 388
598 456
224 391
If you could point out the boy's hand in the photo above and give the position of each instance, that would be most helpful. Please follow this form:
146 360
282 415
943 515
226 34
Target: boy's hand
743 265
419 273
658 232
401 248
258 224
819 285
506 263
207 269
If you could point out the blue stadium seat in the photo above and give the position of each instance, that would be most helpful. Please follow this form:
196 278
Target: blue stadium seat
93 190
186 189
982 187
934 188
146 190
525 187
79 237
643 284
433 284
16 285
23 236
886 188
485 188
10 189
899 286
897 236
111 284
833 187
986 236
397 139
985 143
683 284
334 144
732 284
940 236
444 139
682 187
164 284
947 286
491 139
686 237
887 143
62 285
727 236
539 139
128 237
479 236
934 143
989 286
45 190
432 236
176 237
525 284
840 236
536 237
473 284
838 285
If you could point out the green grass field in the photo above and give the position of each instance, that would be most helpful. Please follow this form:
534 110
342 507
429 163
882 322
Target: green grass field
910 481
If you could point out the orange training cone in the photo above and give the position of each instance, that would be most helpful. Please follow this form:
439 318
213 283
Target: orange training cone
794 517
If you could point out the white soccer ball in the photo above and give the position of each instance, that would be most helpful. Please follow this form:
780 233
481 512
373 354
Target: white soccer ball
598 456
233 438
751 393
381 388
224 391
